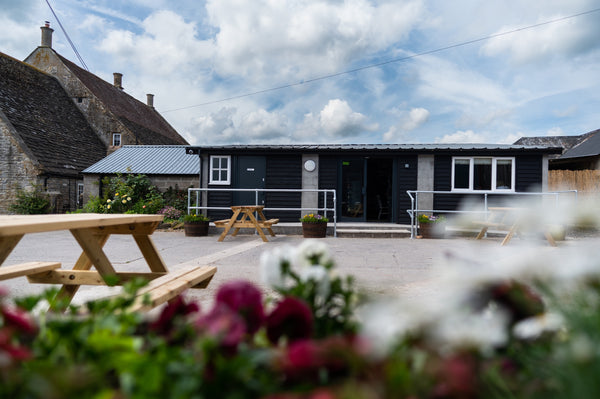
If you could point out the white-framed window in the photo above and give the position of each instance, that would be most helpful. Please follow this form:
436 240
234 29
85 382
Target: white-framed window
116 139
483 174
220 169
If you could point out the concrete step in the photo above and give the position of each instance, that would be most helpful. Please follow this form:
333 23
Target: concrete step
345 230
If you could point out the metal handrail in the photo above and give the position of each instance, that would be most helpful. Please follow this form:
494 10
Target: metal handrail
256 191
414 202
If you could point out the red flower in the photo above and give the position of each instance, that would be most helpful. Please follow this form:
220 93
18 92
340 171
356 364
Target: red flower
245 299
177 307
225 325
457 378
292 318
14 351
18 319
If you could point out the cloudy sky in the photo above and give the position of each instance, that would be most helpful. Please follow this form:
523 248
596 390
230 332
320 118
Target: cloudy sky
354 71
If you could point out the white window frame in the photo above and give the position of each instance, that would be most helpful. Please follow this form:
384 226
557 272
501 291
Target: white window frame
80 193
115 137
494 174
220 169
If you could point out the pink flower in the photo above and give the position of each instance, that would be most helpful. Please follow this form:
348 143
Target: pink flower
292 318
223 324
457 378
245 299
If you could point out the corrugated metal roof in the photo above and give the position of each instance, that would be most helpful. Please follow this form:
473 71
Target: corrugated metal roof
378 147
149 160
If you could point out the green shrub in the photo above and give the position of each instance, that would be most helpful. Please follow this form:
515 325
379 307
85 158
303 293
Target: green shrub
31 202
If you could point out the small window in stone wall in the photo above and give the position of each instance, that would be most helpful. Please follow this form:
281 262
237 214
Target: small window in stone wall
116 138
79 195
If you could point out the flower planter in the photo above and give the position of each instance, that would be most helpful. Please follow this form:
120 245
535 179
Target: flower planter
195 229
314 230
431 230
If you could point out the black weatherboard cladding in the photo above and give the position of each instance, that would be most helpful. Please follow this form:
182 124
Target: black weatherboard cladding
407 180
284 172
328 178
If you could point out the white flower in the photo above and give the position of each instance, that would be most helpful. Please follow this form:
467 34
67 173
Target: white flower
312 252
533 327
271 263
319 275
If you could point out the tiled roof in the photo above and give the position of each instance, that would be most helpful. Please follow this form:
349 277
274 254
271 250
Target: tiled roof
146 123
148 159
46 119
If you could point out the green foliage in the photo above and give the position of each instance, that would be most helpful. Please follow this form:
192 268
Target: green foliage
195 217
176 198
31 202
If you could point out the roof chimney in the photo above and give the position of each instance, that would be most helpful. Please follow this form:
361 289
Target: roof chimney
118 80
47 35
150 100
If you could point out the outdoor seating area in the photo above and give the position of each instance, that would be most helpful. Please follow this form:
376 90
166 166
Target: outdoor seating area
91 231
248 220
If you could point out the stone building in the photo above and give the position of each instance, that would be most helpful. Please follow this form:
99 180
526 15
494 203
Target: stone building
56 119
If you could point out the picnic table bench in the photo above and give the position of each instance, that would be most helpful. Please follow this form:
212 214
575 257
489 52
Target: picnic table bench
506 219
91 231
247 221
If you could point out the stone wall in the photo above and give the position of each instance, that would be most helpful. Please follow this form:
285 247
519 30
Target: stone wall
16 168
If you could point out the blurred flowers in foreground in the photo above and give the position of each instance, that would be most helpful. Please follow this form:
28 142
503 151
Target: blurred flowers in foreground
522 324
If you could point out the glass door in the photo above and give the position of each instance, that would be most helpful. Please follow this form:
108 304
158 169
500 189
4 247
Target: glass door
353 190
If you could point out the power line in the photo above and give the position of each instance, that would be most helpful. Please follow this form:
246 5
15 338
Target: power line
401 59
68 38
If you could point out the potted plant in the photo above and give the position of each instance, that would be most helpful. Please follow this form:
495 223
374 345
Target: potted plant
431 226
314 225
195 225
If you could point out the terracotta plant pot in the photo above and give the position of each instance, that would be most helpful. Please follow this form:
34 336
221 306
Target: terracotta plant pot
314 230
195 229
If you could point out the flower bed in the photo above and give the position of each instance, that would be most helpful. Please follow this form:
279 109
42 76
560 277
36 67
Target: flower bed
488 332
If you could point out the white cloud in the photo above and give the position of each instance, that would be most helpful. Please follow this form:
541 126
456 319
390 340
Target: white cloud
555 131
467 136
335 121
564 38
409 121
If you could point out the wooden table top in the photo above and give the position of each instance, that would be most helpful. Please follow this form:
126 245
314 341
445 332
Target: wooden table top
11 225
251 207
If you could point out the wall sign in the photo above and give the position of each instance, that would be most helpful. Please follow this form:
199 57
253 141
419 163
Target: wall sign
310 165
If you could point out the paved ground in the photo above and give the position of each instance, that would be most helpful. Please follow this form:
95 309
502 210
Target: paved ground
381 266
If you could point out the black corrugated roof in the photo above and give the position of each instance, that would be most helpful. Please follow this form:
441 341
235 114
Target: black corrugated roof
588 147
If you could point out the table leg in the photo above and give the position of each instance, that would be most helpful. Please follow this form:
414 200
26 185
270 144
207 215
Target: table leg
253 219
237 229
510 234
67 292
229 225
481 233
7 244
89 242
264 219
151 254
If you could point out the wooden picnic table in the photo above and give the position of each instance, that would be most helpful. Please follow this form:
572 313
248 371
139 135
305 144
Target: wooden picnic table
91 231
507 219
248 220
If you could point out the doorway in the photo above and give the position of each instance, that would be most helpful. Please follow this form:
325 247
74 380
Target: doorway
251 172
366 189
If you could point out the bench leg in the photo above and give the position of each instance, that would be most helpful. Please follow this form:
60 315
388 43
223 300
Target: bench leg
481 233
229 225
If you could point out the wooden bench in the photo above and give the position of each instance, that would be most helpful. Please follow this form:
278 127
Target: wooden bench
167 287
27 269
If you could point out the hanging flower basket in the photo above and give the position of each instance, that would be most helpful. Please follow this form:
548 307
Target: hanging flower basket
314 230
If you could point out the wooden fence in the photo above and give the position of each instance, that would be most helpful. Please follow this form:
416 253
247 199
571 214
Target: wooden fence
584 181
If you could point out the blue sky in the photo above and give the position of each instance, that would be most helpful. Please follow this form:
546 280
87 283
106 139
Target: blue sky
202 59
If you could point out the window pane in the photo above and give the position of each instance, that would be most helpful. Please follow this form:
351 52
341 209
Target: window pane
224 163
215 163
215 175
504 174
223 175
482 174
461 173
